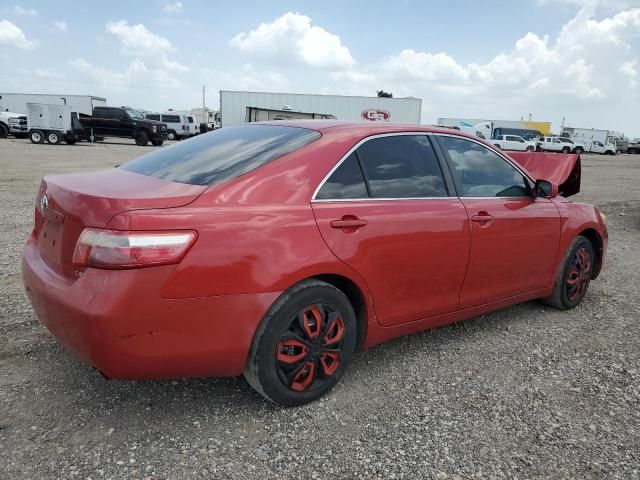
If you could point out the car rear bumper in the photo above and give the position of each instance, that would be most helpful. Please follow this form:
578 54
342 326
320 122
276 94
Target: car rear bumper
117 321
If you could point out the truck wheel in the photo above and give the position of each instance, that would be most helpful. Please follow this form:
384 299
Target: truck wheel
141 138
4 131
70 140
157 143
54 138
36 136
578 150
565 150
530 148
172 135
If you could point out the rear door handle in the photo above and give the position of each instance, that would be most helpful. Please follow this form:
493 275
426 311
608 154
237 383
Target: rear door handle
350 223
481 217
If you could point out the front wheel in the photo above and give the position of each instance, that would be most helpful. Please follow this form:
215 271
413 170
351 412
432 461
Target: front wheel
566 149
303 345
578 151
157 143
530 148
171 135
573 278
142 138
4 131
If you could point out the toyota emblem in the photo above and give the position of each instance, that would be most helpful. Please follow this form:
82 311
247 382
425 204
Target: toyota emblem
44 202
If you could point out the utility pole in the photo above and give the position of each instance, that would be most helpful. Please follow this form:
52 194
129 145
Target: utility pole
204 115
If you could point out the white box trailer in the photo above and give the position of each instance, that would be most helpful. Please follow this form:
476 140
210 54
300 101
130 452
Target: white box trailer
587 135
52 123
237 107
17 102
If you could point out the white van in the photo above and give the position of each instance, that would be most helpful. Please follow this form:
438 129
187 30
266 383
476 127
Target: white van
194 126
177 125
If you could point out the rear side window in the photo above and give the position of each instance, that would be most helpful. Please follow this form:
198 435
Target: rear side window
223 154
171 118
346 182
402 166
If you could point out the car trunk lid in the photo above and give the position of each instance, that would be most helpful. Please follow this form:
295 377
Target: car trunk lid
66 204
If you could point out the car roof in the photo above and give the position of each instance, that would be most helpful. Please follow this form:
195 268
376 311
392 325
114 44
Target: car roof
364 128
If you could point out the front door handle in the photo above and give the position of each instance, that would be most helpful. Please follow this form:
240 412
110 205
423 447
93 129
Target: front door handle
481 217
348 223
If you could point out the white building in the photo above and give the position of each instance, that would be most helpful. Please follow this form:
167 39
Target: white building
17 102
240 107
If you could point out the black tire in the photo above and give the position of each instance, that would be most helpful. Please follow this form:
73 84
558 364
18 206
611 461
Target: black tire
141 138
172 135
53 137
573 278
20 135
36 136
566 150
4 131
530 148
157 143
578 150
70 140
266 371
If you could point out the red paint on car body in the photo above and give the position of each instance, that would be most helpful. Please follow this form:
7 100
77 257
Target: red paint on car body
417 263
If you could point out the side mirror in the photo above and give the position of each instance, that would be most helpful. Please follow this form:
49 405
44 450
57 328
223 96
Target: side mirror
545 189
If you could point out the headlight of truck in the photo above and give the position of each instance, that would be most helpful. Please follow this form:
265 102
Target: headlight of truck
154 128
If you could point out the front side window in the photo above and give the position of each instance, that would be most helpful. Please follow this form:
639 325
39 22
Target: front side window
223 154
134 114
402 166
482 173
171 118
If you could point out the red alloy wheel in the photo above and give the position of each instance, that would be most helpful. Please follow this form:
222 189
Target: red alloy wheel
578 274
310 349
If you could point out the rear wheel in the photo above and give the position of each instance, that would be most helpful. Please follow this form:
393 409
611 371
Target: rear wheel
141 138
53 137
303 345
4 131
573 279
171 135
36 136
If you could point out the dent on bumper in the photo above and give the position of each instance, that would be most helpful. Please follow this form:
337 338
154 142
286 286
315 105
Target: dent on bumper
118 322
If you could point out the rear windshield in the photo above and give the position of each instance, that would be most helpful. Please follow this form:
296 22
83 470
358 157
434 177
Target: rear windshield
223 154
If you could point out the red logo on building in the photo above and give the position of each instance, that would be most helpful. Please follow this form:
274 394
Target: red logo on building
376 115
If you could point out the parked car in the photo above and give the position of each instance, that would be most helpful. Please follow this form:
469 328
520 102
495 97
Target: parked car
576 147
604 149
13 124
276 250
177 125
555 144
124 122
513 142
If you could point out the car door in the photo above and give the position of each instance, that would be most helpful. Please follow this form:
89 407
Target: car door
388 213
512 143
514 236
125 124
105 121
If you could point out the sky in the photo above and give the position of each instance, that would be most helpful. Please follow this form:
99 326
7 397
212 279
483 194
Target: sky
496 59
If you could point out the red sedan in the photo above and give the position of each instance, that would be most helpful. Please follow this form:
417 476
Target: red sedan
277 250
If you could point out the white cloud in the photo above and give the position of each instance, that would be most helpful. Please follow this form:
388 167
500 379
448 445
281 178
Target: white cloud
13 36
175 7
292 39
61 25
27 12
138 42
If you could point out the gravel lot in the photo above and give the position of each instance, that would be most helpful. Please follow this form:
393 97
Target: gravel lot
526 392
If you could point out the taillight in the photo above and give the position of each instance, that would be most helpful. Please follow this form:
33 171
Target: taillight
114 249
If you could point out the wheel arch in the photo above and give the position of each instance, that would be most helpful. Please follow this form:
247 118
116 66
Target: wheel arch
596 241
355 296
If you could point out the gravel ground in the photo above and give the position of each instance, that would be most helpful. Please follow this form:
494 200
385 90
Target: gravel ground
525 392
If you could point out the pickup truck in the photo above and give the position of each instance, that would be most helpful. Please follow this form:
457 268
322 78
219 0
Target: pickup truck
513 142
556 144
634 146
14 124
599 147
124 122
